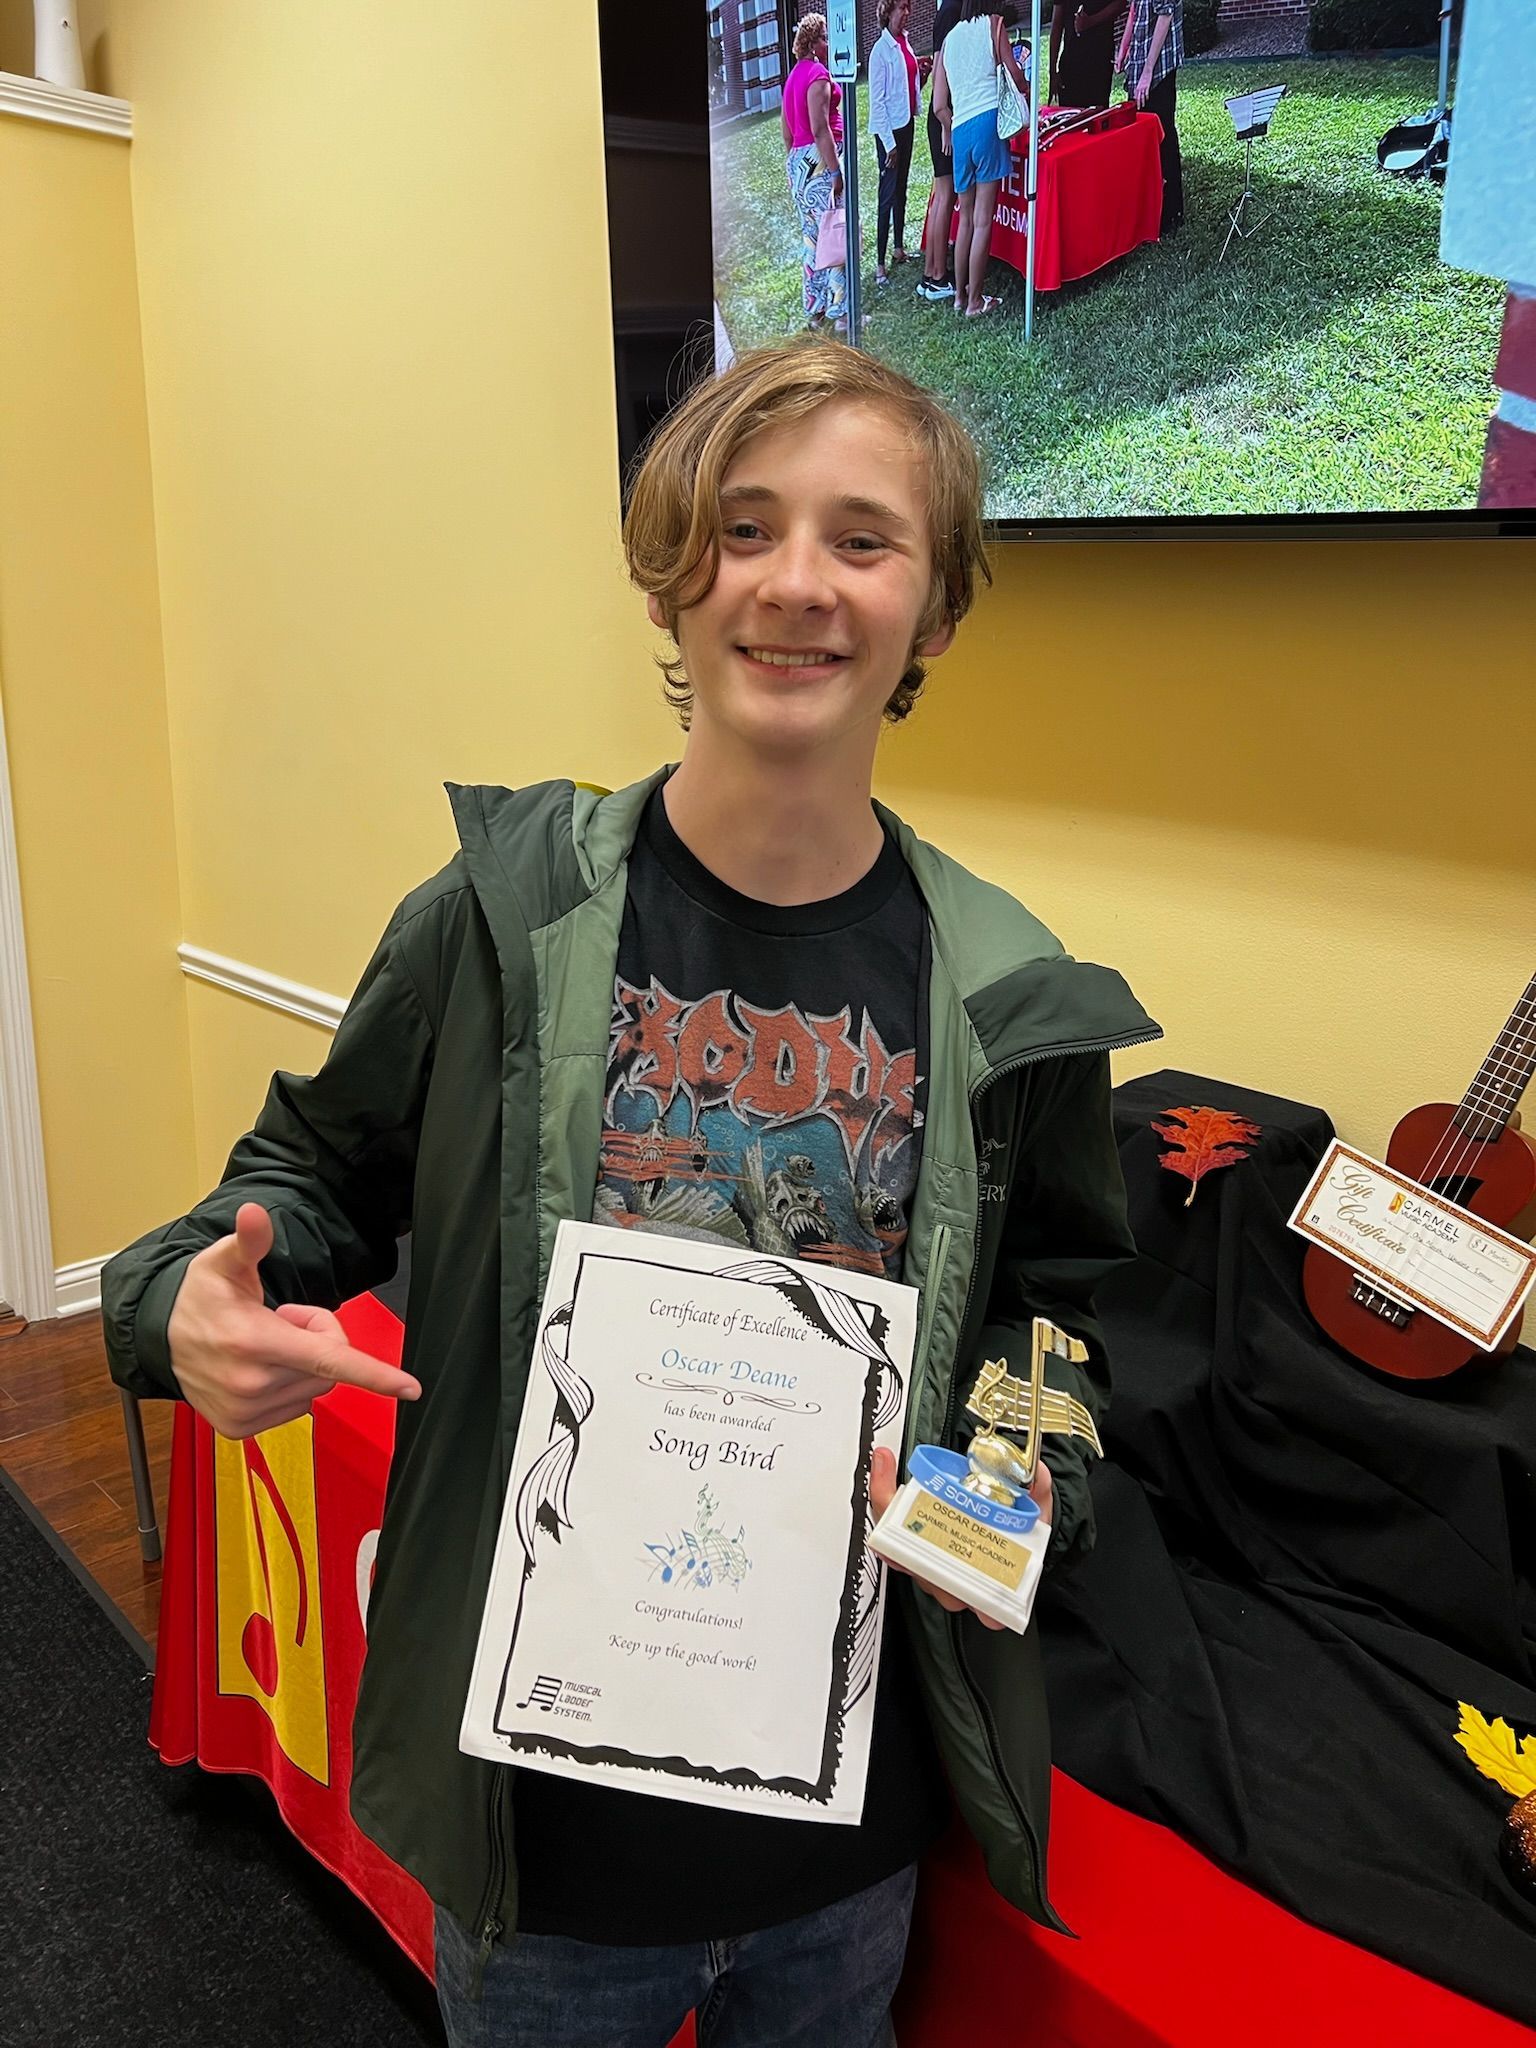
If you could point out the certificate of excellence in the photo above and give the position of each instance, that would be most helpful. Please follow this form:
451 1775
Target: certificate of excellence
683 1600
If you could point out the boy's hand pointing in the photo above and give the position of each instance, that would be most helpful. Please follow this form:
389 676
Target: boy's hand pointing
246 1367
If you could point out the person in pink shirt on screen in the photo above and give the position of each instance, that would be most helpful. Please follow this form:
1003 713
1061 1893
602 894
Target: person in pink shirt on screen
812 114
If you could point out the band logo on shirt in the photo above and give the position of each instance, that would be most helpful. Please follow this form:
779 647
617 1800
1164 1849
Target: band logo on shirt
779 1129
774 1066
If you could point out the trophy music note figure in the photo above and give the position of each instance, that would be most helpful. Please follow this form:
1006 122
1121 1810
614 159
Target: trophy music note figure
968 1523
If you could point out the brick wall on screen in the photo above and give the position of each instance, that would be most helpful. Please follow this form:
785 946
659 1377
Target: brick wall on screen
919 26
746 34
919 23
1235 11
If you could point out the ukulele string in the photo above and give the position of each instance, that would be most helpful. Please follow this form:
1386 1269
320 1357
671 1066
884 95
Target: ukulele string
1457 1145
1455 1148
1501 1064
1445 1161
1482 1101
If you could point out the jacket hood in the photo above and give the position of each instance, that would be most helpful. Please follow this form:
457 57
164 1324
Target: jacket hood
545 849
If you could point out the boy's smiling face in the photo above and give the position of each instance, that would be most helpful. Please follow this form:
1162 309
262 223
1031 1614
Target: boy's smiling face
825 567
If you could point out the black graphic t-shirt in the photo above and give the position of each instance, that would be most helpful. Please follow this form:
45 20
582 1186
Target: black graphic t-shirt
766 1068
766 1079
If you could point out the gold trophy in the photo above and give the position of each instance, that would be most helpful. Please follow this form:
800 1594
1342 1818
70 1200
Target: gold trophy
968 1524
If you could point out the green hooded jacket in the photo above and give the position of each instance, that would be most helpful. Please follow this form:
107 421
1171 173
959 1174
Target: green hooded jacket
462 1101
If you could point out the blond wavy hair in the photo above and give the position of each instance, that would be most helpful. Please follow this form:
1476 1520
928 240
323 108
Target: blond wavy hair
809 31
672 527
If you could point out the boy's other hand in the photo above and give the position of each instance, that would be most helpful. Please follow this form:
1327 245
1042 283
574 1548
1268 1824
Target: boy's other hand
245 1367
883 1481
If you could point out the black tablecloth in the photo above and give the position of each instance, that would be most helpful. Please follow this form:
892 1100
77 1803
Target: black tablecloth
1302 1567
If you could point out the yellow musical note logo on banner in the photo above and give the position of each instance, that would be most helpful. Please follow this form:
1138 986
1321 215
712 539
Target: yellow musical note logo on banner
270 1646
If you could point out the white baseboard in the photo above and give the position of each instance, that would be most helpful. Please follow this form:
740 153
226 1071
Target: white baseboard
78 1288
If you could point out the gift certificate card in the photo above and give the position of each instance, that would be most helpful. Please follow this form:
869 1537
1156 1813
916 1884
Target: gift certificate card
682 1600
1432 1254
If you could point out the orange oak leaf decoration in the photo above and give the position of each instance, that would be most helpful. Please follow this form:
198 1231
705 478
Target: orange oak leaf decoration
1202 1140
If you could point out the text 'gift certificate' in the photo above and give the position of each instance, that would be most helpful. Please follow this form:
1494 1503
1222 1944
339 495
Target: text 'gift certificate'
682 1601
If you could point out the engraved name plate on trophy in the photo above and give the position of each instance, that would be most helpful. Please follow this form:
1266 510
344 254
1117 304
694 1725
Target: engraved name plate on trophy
967 1523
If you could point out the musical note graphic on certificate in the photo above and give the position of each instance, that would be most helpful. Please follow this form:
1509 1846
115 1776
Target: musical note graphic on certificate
703 1557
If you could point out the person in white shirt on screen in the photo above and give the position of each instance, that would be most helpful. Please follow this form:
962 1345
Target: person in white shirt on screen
895 93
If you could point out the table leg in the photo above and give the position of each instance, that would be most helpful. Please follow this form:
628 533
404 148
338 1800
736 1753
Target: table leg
143 1491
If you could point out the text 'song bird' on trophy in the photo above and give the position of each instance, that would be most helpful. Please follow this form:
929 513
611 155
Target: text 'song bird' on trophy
968 1523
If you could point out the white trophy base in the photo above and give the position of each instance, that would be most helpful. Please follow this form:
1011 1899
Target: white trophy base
922 1534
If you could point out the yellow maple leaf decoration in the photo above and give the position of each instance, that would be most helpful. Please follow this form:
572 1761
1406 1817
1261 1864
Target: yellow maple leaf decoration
1493 1748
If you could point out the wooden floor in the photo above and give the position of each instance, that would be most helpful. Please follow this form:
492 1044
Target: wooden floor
62 1441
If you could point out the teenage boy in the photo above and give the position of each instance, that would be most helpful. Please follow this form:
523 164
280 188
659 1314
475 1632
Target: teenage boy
737 999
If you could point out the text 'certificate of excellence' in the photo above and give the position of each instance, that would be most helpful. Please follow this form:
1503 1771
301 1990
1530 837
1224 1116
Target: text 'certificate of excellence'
682 1600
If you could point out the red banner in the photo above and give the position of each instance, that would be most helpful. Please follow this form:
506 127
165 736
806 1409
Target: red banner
263 1617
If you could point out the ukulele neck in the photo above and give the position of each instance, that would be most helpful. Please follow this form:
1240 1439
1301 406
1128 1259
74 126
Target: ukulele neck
1486 1108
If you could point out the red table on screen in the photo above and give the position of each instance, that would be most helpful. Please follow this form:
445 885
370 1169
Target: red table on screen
1100 197
262 1630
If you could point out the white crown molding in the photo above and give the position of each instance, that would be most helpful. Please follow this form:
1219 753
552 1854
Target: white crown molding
34 99
78 1288
312 1004
26 1239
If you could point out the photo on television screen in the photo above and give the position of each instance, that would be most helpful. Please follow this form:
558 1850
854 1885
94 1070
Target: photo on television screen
1237 304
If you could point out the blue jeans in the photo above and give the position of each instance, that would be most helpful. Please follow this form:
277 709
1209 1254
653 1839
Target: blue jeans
823 1981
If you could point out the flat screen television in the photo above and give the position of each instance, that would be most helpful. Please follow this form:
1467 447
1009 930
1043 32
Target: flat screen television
1314 367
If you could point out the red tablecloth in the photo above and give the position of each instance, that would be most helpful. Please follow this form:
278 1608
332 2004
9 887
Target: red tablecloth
1100 196
269 1549
268 1562
1171 1953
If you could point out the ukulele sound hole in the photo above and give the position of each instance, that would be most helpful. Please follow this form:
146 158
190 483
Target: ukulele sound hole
1457 1187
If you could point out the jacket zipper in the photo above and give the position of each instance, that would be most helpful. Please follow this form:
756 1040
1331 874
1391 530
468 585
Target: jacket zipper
491 1928
994 1748
938 1259
983 1711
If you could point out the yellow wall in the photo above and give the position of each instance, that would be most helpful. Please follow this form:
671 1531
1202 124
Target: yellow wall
384 455
16 37
1285 787
83 694
385 471
379 387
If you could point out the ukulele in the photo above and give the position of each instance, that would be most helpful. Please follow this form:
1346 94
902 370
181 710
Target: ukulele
1473 1154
